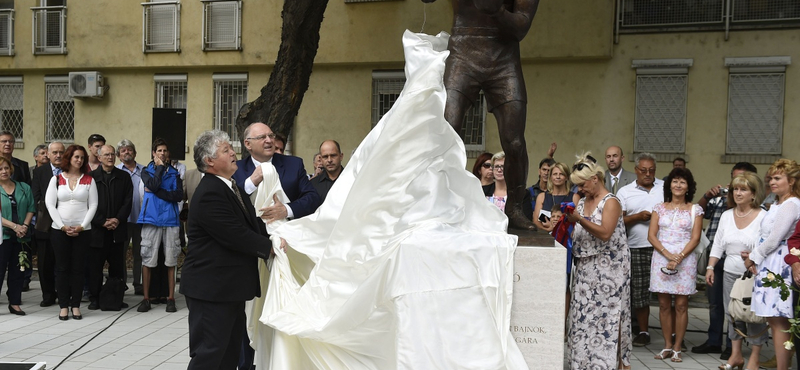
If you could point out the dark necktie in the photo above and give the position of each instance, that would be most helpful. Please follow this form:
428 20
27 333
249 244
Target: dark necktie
238 195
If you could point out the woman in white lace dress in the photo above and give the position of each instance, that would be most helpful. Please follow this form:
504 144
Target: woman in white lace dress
778 225
599 315
675 228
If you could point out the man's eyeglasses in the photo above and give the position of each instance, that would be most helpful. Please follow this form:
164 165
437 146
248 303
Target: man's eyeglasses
486 165
107 155
262 137
647 170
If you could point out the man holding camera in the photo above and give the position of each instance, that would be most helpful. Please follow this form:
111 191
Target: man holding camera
714 203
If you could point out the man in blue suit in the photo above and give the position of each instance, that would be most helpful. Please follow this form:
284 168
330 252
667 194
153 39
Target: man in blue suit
294 180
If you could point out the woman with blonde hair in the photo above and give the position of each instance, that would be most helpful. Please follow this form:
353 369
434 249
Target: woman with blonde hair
500 193
772 252
738 231
558 191
599 315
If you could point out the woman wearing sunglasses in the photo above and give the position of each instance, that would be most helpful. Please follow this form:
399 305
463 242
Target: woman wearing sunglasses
482 169
675 227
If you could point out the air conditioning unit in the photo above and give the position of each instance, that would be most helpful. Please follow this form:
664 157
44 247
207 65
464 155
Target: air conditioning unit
86 85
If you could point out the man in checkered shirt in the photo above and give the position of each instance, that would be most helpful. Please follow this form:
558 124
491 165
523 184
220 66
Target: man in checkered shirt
714 203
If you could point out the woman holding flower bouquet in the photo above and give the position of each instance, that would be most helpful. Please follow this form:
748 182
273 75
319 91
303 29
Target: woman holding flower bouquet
768 256
738 231
16 206
675 228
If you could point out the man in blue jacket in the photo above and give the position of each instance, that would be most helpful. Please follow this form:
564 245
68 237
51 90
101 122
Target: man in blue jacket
159 219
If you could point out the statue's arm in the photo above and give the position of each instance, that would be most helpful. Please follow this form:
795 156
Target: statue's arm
517 23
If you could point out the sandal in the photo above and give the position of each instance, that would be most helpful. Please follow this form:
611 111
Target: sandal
664 354
676 356
727 366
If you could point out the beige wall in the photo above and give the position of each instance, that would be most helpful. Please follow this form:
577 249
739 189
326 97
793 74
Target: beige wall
581 86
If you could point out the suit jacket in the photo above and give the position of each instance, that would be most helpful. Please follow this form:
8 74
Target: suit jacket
114 200
21 171
625 178
39 184
294 181
225 244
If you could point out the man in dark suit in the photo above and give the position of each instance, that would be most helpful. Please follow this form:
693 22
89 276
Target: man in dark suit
221 268
294 180
110 223
46 260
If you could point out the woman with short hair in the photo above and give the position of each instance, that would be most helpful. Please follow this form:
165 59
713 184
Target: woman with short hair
17 206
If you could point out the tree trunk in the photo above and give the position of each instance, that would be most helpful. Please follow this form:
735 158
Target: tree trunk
280 99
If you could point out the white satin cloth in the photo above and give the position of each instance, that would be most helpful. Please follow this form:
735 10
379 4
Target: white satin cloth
405 265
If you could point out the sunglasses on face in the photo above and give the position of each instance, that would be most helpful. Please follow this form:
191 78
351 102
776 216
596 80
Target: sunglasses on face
486 165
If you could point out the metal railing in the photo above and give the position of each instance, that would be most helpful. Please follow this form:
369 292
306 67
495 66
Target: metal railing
6 31
651 16
49 29
161 24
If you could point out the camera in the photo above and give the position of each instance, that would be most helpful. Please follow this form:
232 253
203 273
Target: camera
723 192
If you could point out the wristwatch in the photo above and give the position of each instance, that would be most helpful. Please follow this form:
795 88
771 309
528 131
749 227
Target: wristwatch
709 267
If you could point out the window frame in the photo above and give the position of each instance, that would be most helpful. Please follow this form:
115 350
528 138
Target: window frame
207 27
223 78
147 24
62 81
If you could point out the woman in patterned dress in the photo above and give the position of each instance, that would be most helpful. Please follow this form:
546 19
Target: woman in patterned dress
600 318
776 227
675 228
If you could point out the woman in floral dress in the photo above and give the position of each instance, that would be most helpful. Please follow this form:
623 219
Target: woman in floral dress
772 253
599 315
675 228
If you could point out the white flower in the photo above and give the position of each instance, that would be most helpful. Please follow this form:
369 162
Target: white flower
22 268
788 345
795 252
771 276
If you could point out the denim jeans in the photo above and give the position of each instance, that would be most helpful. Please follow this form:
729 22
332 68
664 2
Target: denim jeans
716 308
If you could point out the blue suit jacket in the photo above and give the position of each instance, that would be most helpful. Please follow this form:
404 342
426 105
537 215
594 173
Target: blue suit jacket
294 181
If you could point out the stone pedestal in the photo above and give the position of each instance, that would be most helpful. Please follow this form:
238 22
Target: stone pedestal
537 310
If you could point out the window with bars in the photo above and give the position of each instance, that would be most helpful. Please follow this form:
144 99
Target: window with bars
161 26
222 25
50 27
755 105
11 106
171 91
6 28
386 88
60 111
660 114
230 93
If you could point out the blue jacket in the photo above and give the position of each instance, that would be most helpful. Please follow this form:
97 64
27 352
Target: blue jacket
160 204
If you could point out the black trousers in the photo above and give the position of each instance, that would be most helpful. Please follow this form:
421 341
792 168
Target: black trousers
9 260
135 242
114 254
215 334
46 263
70 254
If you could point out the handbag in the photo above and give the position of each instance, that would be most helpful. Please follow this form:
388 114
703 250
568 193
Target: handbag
701 249
739 305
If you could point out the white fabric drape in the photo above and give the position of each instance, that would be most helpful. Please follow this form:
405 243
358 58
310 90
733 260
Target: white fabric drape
405 265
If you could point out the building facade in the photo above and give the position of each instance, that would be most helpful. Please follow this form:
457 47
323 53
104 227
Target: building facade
711 81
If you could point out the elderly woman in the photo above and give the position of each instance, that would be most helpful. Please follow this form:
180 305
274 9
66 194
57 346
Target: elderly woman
675 228
499 195
776 227
482 169
17 208
557 192
71 200
600 318
738 232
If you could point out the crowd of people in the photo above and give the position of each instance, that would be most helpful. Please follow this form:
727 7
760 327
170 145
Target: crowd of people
636 235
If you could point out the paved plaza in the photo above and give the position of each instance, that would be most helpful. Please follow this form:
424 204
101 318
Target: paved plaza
159 340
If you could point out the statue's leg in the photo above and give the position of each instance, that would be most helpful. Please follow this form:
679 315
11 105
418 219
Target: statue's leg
455 109
511 124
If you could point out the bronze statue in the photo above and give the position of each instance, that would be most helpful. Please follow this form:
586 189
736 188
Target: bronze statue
484 54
